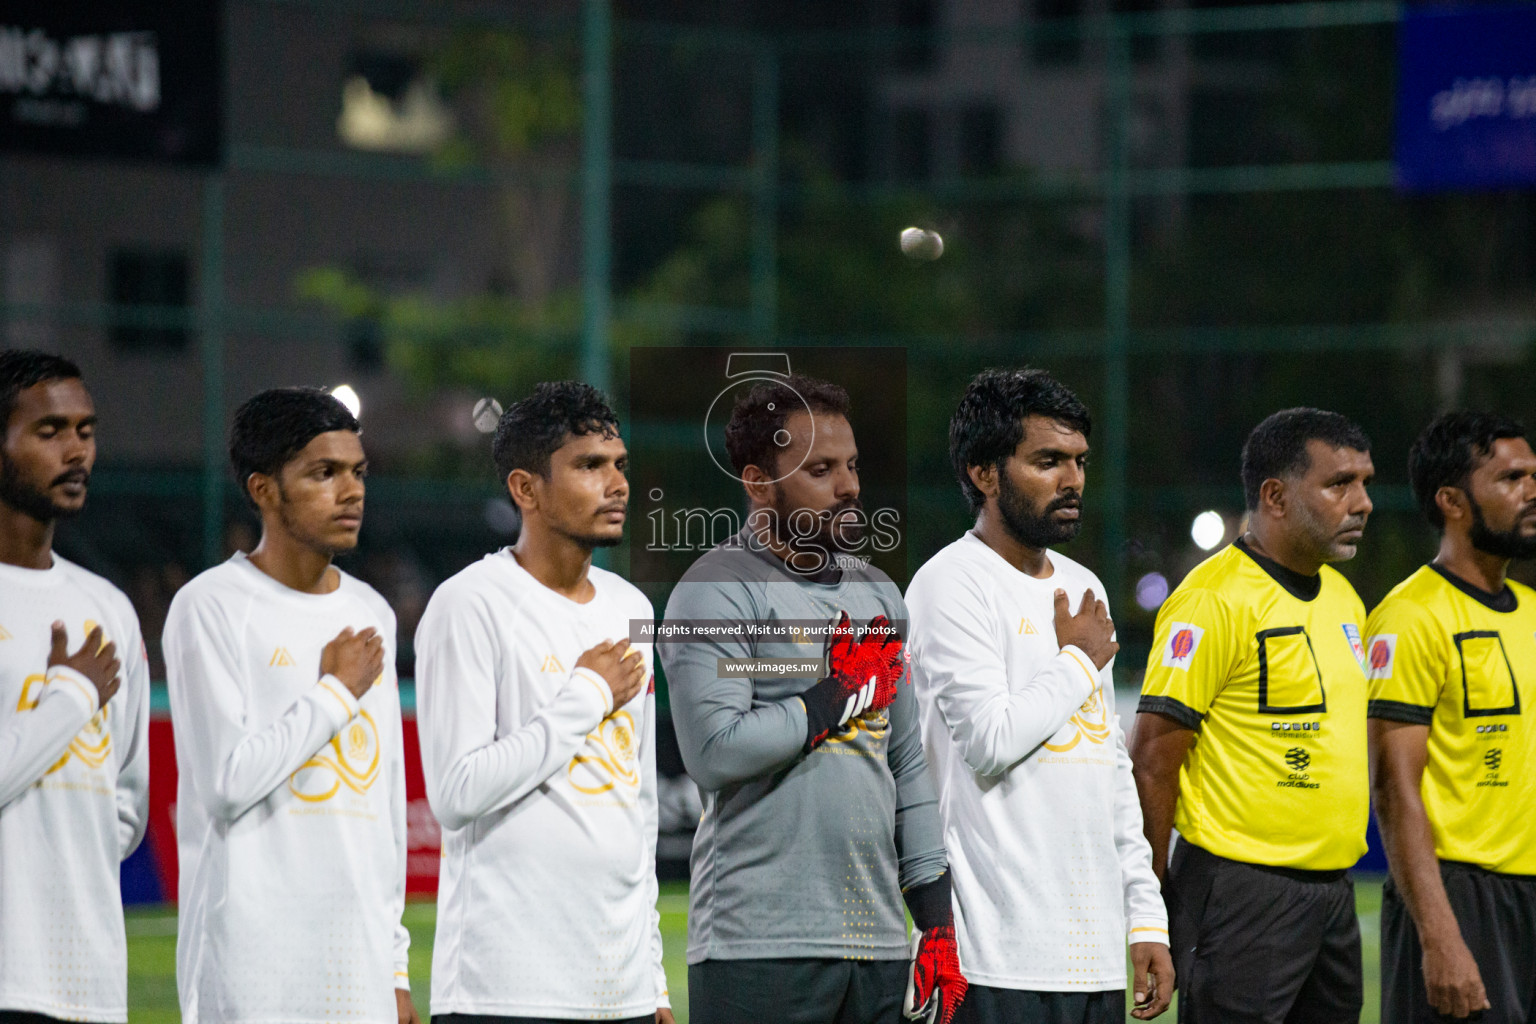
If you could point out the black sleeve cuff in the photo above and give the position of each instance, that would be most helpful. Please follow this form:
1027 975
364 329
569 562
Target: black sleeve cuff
929 903
1397 711
1185 715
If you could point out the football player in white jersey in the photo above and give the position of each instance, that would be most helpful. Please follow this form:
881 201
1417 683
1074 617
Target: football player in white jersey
290 813
1052 874
538 741
74 773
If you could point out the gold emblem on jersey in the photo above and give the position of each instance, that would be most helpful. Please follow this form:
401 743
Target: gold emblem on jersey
4 635
874 723
281 659
1090 722
92 745
1027 628
552 664
609 759
350 761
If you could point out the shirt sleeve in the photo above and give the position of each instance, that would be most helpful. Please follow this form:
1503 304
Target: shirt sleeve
1194 653
1406 660
400 820
919 829
724 735
469 771
1146 917
232 765
651 819
133 768
994 722
32 740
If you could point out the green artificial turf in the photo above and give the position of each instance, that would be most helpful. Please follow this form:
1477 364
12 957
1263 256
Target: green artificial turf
152 954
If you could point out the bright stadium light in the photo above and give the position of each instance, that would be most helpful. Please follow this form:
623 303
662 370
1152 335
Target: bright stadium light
1208 529
347 396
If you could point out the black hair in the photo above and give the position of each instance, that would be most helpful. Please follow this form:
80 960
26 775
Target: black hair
1447 452
531 431
1277 447
761 413
22 368
274 426
989 423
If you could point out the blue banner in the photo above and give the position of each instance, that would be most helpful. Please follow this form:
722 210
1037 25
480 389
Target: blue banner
1466 98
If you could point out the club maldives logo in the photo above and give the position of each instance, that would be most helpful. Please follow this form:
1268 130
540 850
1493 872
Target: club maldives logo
1183 641
1298 759
1383 651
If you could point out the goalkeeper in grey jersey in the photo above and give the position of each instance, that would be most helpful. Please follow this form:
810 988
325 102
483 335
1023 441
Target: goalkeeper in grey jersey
819 814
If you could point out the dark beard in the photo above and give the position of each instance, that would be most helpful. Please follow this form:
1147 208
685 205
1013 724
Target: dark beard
1025 526
1508 544
31 502
828 536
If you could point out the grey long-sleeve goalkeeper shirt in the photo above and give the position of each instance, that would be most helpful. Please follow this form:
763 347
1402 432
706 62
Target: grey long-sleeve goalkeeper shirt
797 855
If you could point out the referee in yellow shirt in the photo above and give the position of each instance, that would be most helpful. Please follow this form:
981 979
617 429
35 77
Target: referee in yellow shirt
1250 738
1452 656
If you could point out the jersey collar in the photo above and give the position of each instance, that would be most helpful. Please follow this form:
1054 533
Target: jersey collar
1299 586
1503 601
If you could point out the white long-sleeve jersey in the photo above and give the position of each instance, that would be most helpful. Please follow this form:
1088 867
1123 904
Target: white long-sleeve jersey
1050 869
547 796
74 792
290 805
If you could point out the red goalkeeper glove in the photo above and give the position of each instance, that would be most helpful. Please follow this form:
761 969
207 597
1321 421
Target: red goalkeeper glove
936 988
862 672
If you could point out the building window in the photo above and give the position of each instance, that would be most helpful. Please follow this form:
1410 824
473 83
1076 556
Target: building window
1056 49
149 278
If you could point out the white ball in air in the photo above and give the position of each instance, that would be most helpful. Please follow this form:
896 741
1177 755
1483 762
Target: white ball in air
921 244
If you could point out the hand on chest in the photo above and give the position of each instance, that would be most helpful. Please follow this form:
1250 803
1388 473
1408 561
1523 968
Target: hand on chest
282 658
24 654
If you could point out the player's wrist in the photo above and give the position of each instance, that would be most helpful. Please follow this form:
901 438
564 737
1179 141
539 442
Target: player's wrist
930 904
586 679
339 697
1086 679
1441 938
821 713
76 683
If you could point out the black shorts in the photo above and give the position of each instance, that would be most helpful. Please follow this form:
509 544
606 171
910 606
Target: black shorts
1261 945
986 1005
797 991
1497 915
24 1017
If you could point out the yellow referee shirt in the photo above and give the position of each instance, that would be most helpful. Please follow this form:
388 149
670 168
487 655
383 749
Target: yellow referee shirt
1448 655
1267 666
